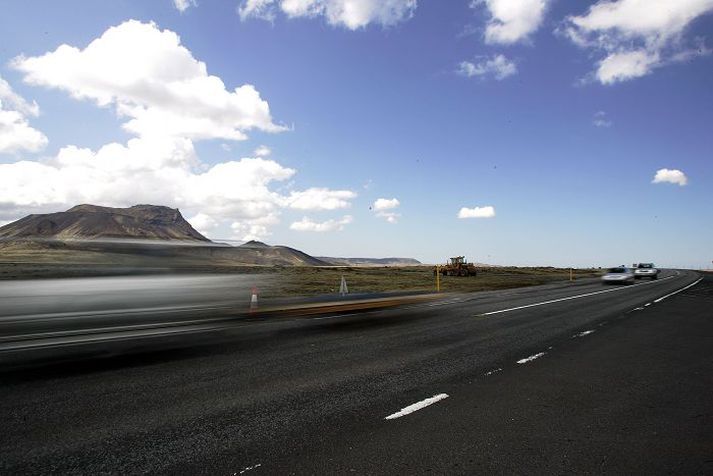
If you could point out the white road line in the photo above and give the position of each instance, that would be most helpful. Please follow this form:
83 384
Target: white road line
568 298
676 292
493 372
583 333
417 406
531 358
250 468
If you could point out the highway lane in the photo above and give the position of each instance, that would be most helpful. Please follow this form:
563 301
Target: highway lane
271 392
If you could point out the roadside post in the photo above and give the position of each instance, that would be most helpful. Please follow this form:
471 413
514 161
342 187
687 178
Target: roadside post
343 289
571 275
438 279
253 301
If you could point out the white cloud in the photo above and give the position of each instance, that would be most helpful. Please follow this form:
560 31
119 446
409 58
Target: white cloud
307 224
263 9
205 224
636 36
154 81
673 176
183 5
385 204
145 72
162 171
601 120
512 20
320 199
16 134
262 151
254 229
383 208
351 14
477 212
498 67
626 65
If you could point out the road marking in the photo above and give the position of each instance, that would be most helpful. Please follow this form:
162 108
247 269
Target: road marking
676 292
493 372
531 358
639 309
250 468
583 333
647 304
568 298
417 406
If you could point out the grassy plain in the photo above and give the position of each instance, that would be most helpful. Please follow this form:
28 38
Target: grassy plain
312 281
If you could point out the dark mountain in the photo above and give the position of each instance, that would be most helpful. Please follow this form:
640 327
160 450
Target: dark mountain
142 235
371 261
91 221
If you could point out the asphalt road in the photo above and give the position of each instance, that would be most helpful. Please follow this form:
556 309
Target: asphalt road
558 378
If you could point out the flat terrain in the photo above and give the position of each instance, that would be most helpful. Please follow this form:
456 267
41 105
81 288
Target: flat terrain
557 378
312 281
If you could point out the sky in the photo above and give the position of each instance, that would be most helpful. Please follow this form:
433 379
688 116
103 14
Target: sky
531 132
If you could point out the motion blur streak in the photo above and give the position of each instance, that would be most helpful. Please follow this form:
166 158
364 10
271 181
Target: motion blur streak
31 310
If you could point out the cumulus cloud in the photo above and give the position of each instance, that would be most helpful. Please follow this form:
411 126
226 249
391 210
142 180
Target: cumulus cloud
154 82
384 208
183 5
254 229
498 67
673 176
601 120
145 73
636 36
477 212
307 224
351 14
205 224
16 134
512 21
320 199
263 9
385 204
262 151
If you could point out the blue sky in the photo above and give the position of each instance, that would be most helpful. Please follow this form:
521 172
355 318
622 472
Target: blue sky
556 114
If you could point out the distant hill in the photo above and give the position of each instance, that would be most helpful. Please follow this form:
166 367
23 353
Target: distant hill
142 235
371 261
91 221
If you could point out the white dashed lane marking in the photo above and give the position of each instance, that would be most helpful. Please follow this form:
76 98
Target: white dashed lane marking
531 358
583 333
417 406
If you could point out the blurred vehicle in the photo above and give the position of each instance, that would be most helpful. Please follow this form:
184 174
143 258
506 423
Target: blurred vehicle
620 274
646 270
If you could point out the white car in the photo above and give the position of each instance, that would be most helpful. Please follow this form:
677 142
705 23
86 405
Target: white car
620 275
646 270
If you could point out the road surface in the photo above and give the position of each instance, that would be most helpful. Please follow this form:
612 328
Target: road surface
558 378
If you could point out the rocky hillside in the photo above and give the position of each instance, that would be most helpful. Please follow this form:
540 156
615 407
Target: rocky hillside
371 261
90 221
142 235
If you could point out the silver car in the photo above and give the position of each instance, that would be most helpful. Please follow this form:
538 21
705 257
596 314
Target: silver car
621 275
646 270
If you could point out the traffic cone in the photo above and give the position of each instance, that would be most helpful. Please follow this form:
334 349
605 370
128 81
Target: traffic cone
253 301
